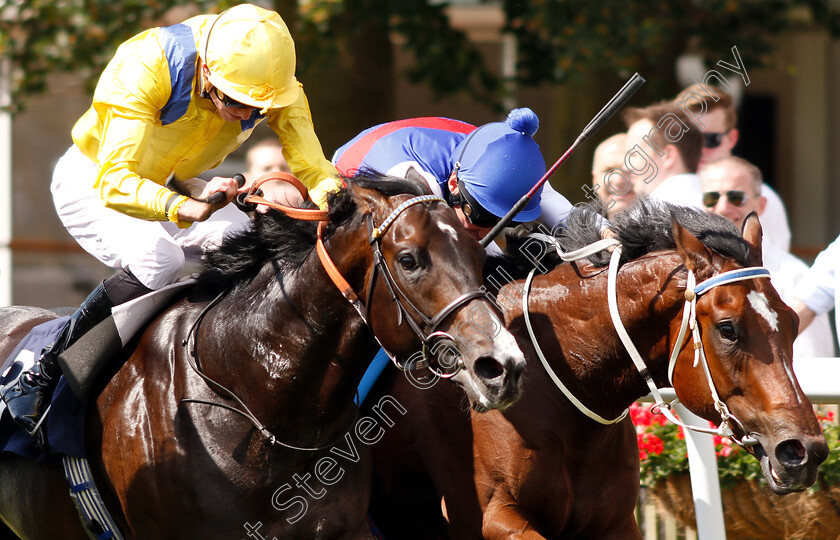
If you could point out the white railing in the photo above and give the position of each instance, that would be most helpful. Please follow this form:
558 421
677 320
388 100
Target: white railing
820 380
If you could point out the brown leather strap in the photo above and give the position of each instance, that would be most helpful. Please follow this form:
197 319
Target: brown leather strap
333 272
303 214
289 178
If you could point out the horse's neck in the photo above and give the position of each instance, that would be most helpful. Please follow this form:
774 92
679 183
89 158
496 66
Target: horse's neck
298 346
601 369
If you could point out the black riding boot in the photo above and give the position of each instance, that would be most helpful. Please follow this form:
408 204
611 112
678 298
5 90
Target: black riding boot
27 398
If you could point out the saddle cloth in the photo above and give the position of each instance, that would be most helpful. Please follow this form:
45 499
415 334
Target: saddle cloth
64 425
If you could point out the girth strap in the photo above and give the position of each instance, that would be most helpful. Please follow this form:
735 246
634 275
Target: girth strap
98 523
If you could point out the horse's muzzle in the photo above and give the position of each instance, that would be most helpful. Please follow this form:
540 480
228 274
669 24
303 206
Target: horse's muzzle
792 464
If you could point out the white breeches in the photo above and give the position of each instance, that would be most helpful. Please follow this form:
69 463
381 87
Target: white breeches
154 251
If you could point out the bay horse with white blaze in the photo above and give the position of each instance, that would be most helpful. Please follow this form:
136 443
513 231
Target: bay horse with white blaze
546 468
170 457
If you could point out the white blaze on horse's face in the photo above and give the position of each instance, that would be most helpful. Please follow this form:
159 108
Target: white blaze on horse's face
761 306
448 229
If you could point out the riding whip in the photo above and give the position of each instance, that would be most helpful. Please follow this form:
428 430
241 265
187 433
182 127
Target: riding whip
617 101
219 196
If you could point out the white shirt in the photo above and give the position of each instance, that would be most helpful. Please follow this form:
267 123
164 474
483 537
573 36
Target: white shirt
818 287
774 220
786 271
682 189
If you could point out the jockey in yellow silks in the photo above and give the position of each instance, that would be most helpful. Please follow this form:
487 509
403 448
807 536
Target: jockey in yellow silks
173 102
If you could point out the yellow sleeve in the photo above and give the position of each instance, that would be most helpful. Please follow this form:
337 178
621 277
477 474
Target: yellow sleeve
301 147
120 187
133 88
319 193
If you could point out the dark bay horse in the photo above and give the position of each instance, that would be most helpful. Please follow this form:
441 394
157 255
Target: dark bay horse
542 468
282 338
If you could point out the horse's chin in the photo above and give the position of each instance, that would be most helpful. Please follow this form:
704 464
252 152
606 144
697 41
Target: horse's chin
482 398
483 407
774 479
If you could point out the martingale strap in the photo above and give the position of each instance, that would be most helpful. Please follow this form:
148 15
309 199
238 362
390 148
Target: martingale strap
557 382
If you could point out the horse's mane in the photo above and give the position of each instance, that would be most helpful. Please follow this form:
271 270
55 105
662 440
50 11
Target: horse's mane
275 237
643 228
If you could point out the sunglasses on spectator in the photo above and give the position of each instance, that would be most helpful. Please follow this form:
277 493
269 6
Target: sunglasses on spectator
227 101
713 140
735 197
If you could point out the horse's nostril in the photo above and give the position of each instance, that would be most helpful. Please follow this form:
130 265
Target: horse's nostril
791 452
488 367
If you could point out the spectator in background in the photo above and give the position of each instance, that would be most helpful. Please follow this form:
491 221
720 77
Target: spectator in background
815 295
662 150
610 182
265 156
719 138
732 188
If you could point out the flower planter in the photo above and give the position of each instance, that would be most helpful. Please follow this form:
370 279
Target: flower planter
752 511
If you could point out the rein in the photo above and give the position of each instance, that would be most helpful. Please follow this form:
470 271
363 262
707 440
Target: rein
689 321
244 411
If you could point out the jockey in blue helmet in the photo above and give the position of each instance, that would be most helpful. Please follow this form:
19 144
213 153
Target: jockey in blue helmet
494 166
481 172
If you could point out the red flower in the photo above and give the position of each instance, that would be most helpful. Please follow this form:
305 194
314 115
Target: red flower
651 444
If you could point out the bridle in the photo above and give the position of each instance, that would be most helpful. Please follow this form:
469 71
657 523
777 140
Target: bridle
426 329
689 321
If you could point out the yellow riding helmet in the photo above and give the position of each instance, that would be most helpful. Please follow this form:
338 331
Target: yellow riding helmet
251 57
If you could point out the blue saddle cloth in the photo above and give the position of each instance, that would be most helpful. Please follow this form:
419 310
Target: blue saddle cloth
64 426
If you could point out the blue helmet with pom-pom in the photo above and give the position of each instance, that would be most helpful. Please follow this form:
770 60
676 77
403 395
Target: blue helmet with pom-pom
500 162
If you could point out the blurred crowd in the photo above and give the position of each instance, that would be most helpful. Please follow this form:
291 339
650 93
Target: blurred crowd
681 151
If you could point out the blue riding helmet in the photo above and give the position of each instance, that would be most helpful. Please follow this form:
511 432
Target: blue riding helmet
500 162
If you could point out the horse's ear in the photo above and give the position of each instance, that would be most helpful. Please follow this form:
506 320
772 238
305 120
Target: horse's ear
414 176
751 231
694 254
367 200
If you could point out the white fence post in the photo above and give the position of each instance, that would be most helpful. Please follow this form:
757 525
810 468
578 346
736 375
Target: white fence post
705 484
5 185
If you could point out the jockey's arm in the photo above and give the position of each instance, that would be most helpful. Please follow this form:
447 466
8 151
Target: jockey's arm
302 149
117 134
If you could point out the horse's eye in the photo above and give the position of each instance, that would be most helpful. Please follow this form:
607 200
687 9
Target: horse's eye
727 330
408 261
